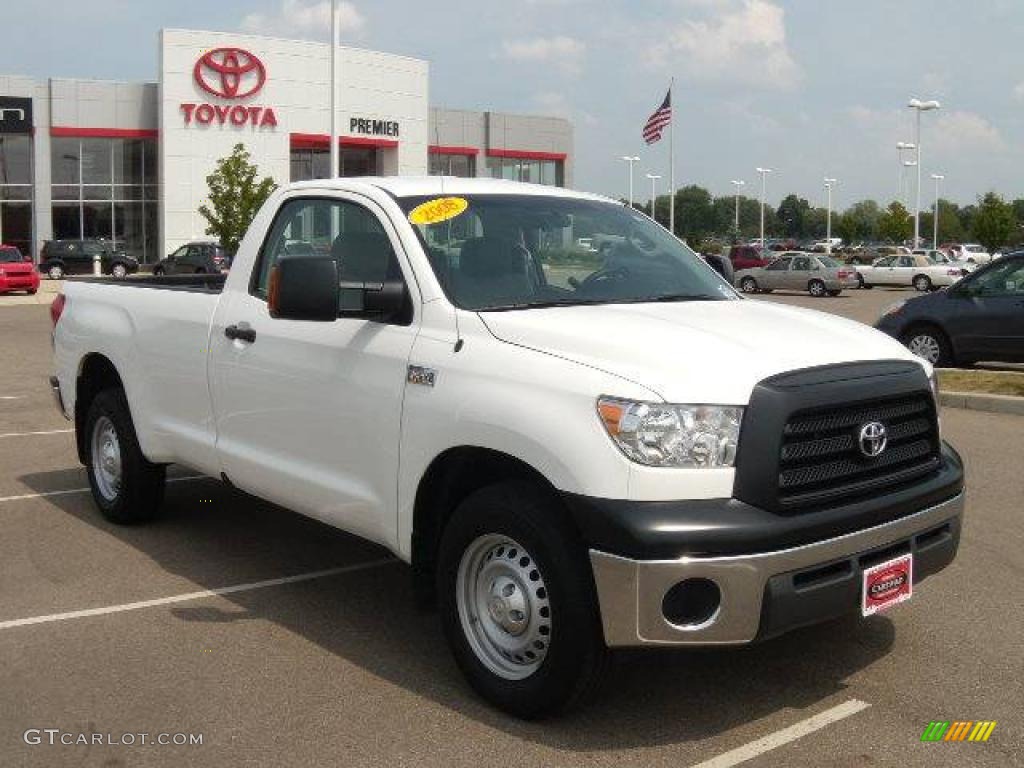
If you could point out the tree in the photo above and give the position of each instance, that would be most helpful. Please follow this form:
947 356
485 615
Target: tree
863 221
792 215
695 216
994 222
235 196
895 224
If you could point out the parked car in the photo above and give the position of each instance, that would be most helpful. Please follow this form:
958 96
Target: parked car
746 257
974 253
818 275
194 258
937 256
75 257
979 318
17 272
907 270
636 457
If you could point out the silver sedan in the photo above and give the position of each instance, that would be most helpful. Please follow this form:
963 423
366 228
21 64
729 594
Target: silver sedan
817 274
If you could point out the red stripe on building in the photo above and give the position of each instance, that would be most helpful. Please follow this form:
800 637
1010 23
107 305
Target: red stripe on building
521 154
62 131
323 141
438 149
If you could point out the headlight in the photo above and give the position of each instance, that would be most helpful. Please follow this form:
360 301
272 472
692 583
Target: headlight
664 435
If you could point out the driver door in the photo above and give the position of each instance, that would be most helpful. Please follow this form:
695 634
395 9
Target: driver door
309 413
991 321
775 273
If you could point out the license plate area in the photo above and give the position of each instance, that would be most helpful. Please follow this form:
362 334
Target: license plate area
887 584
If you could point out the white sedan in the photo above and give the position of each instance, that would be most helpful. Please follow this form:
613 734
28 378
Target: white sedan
917 271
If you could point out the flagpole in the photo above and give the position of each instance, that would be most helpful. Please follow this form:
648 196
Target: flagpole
672 162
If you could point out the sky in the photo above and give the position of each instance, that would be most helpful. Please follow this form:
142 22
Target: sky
809 88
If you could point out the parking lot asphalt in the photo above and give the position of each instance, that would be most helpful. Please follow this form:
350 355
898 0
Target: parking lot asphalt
343 669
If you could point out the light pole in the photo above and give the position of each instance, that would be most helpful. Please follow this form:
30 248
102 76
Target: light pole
902 146
738 183
828 216
919 106
654 194
630 161
937 177
764 175
335 152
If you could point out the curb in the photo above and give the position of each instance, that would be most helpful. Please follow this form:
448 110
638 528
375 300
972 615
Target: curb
979 402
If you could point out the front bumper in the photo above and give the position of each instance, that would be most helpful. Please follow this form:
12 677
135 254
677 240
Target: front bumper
768 593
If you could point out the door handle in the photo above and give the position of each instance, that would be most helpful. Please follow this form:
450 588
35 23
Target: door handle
234 333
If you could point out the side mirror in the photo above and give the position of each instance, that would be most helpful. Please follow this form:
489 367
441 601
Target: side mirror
385 302
304 288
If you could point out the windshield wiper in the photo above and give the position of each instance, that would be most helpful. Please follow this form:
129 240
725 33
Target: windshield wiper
673 297
591 302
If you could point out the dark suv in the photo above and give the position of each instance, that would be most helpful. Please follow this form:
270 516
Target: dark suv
192 258
746 257
75 257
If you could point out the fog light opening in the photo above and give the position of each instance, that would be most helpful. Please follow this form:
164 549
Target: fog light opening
692 603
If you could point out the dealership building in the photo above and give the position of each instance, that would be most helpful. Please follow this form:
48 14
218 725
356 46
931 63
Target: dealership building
128 161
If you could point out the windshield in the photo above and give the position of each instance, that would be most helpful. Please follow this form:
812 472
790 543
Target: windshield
10 255
498 252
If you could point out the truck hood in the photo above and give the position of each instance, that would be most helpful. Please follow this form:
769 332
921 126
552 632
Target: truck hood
694 352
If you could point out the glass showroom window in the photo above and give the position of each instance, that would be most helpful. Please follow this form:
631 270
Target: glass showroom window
550 172
16 192
106 188
443 164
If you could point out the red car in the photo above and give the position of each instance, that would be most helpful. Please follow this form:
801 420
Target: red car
17 272
747 257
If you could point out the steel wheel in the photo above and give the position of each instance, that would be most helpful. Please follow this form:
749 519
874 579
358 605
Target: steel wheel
55 273
748 285
106 458
503 606
119 271
925 346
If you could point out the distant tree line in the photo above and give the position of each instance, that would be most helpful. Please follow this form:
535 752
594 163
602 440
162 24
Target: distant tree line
701 217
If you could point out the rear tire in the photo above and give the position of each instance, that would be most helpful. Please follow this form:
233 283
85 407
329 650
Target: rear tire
748 285
125 485
158 272
32 291
922 283
120 271
929 343
517 601
56 272
817 289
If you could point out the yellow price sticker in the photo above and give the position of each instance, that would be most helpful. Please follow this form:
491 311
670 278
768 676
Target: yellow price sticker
438 210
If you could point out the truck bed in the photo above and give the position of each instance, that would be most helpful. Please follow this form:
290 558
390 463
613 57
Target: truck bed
197 283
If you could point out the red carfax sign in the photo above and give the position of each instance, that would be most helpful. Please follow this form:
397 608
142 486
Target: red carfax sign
887 584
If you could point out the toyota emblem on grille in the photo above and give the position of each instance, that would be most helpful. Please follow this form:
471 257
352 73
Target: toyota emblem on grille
872 439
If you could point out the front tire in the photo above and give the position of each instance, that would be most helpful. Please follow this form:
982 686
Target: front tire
126 486
119 271
817 289
56 272
748 285
929 343
517 601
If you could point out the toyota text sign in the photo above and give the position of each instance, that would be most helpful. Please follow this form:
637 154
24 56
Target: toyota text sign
231 75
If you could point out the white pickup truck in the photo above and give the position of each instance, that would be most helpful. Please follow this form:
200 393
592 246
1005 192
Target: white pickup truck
576 451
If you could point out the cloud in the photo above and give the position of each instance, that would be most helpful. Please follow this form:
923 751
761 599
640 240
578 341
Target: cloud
564 52
961 131
1018 91
309 20
738 41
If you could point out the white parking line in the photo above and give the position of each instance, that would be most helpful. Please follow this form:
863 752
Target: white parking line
192 595
785 736
87 489
12 397
45 432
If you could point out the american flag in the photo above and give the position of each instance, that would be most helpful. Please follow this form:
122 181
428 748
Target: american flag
655 123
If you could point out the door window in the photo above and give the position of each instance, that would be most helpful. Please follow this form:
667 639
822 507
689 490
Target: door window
801 264
779 265
1003 280
348 232
905 261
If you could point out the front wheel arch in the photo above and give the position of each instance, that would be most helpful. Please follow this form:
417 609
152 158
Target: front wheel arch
948 355
450 478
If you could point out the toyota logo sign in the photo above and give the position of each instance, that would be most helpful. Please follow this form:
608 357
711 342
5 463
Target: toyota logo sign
230 73
872 439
